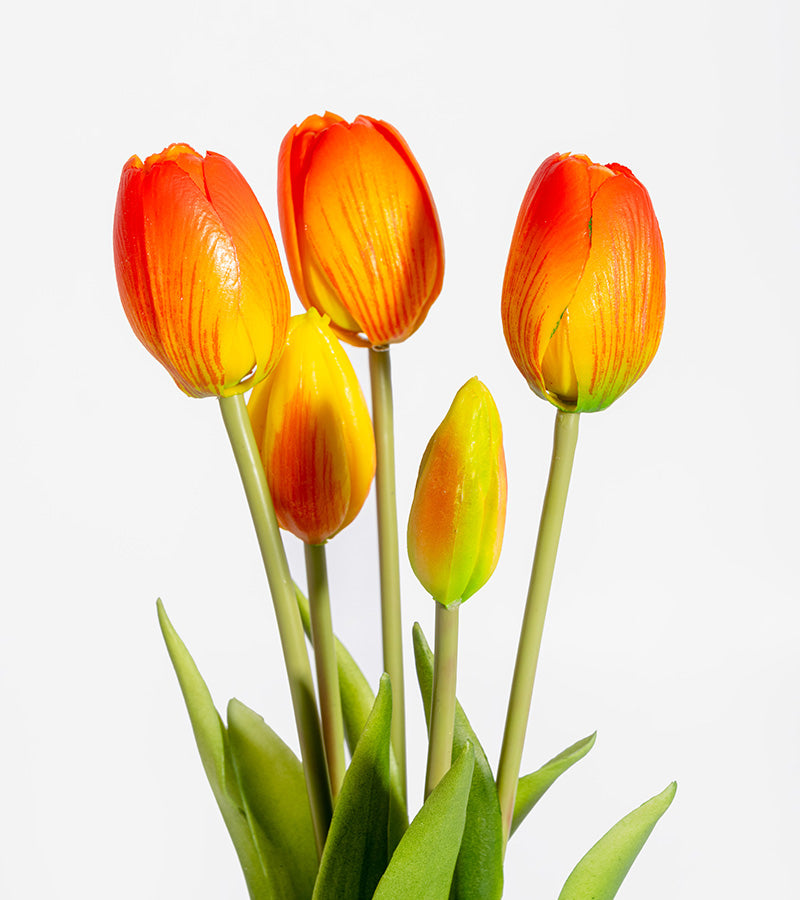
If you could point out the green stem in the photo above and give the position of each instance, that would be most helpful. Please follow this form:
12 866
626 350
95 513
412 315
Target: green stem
330 702
544 560
290 628
443 701
391 622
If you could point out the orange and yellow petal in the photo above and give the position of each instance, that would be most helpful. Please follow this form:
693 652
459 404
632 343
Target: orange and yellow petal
198 271
311 423
455 527
583 297
361 232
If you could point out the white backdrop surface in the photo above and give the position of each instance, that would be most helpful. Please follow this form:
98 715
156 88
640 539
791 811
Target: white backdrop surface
673 624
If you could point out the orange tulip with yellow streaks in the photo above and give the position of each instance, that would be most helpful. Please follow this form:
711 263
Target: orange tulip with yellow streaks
313 429
455 529
360 227
584 295
198 271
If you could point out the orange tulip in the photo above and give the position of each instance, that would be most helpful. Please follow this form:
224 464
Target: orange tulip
198 271
455 529
311 423
360 228
583 296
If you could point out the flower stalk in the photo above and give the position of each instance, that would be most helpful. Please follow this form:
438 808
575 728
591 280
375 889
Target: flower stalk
443 701
327 672
391 620
298 668
564 441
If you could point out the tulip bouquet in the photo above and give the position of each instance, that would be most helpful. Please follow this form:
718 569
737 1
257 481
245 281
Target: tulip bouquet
582 309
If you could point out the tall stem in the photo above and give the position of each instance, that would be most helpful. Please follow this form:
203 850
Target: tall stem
298 669
391 622
443 701
544 560
330 702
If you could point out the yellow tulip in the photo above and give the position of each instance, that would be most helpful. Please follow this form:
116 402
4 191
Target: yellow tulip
312 426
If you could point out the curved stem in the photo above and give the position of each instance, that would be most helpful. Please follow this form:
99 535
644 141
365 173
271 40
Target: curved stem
391 621
443 700
330 702
544 560
237 423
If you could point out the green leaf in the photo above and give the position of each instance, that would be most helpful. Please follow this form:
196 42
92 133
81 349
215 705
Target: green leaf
423 863
600 873
212 742
276 803
479 869
357 849
357 701
531 788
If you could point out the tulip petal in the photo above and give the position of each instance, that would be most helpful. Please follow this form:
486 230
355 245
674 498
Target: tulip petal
369 232
260 296
130 254
311 423
549 251
617 313
583 296
455 526
194 275
309 281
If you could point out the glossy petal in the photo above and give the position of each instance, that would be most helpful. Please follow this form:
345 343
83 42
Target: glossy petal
360 228
311 423
583 296
455 528
198 271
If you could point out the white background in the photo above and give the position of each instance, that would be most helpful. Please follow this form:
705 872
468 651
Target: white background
673 625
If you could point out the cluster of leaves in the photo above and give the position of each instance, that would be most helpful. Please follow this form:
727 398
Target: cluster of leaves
453 848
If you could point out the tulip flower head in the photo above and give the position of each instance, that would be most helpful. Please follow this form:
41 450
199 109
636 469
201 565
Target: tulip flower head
311 423
455 529
583 296
198 271
360 228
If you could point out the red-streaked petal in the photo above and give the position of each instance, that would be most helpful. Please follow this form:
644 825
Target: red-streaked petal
548 252
130 259
194 276
370 233
263 298
617 314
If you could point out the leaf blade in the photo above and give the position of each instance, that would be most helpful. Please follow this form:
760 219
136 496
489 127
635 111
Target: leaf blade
602 870
422 865
357 848
211 738
479 869
531 788
276 803
357 701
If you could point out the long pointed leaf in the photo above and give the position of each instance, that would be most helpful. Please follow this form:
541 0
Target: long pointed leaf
602 870
276 802
479 869
357 849
531 788
357 701
212 742
423 863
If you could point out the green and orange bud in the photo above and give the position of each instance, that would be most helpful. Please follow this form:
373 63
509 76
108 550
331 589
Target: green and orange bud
455 529
312 426
360 228
198 271
583 296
